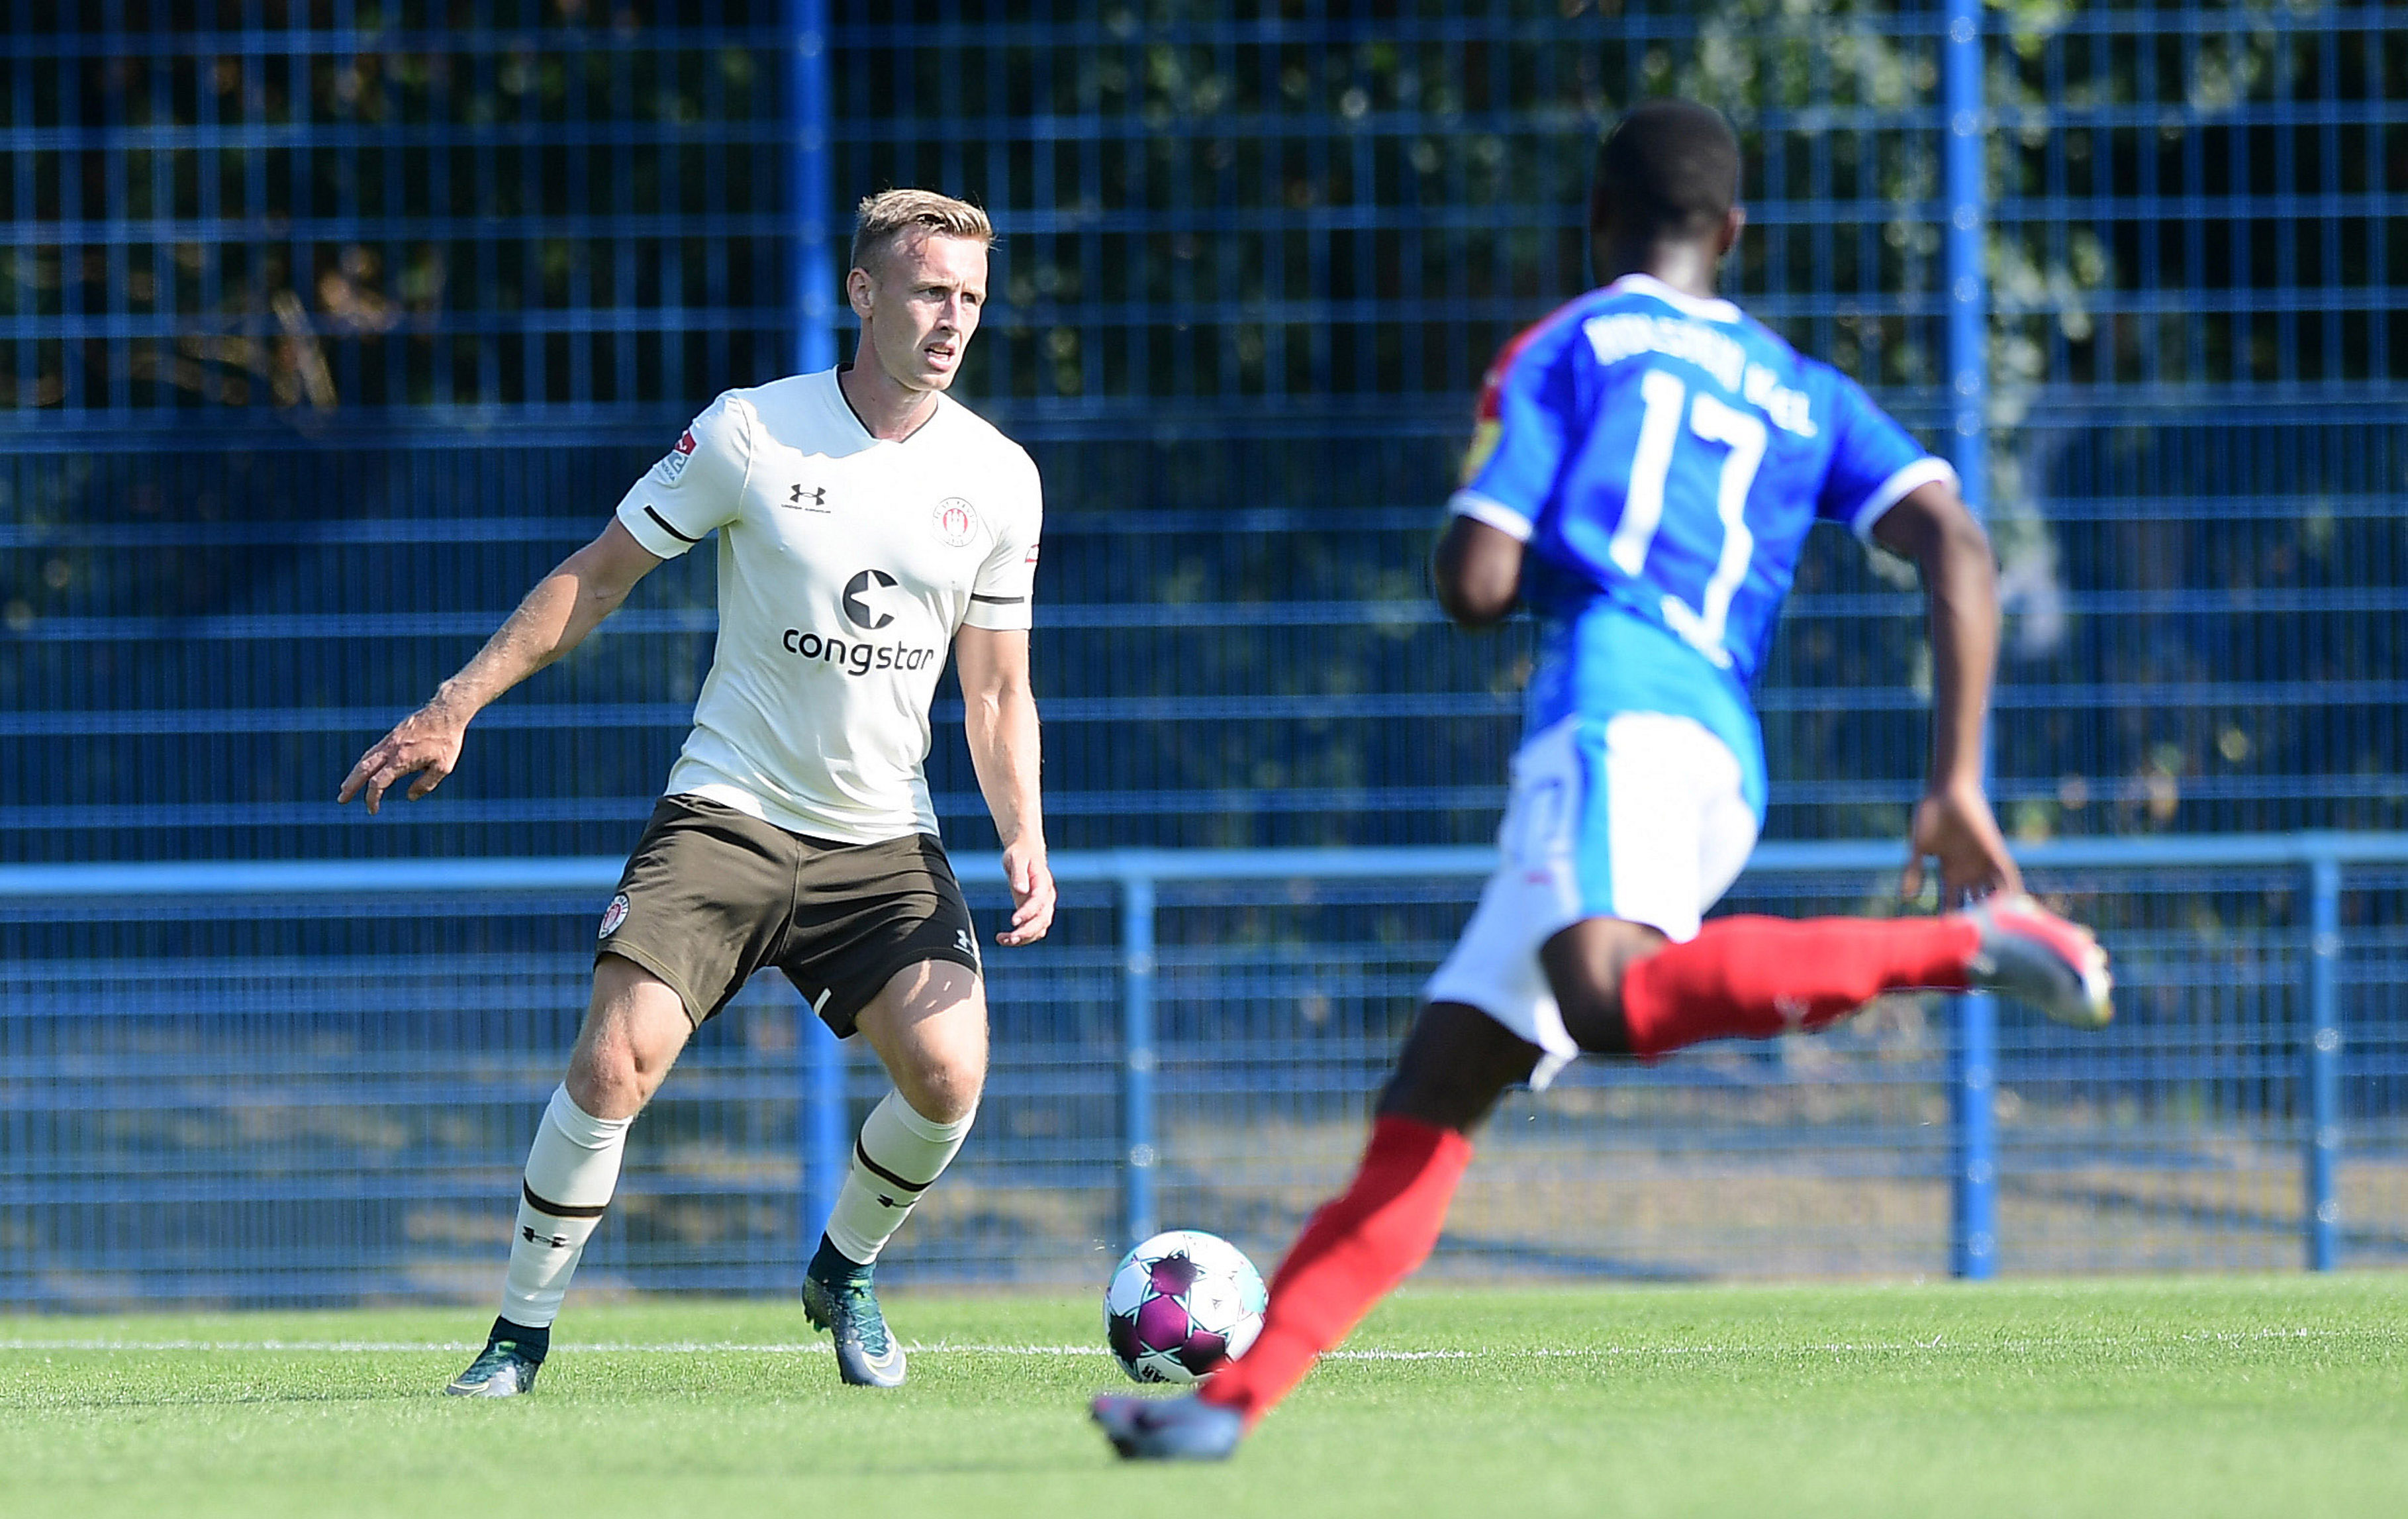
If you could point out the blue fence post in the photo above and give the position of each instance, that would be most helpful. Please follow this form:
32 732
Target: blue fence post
1973 1236
807 122
1974 1232
1138 1218
2322 1049
822 1132
826 1132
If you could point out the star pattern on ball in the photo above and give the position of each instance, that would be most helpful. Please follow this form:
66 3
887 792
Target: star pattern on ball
1181 1304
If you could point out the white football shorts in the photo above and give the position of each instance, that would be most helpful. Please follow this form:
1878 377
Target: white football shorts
1640 816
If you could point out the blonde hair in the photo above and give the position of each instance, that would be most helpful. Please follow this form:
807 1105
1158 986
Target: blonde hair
891 214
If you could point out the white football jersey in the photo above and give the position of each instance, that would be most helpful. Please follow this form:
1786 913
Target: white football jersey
845 565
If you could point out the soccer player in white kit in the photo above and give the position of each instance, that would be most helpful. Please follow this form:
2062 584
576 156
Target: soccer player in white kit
865 522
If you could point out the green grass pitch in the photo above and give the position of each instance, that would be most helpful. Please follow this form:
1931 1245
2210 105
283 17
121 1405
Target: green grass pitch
2181 1396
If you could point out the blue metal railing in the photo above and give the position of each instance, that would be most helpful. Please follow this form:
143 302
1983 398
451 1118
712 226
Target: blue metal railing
2318 862
1251 269
1973 1226
810 125
1237 249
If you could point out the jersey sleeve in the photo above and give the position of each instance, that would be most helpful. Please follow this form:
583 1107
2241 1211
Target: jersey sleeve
1521 436
1874 462
697 486
1002 593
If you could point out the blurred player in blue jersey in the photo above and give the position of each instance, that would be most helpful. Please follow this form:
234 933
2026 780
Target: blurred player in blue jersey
1648 462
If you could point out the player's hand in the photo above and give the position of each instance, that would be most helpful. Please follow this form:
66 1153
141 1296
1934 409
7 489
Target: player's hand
1032 894
425 744
1954 825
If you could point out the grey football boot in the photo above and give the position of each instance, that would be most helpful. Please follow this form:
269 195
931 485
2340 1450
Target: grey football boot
1167 1428
501 1370
2033 955
867 1354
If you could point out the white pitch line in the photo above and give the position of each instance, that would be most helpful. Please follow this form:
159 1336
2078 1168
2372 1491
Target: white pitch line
355 1347
338 1346
692 1347
697 1347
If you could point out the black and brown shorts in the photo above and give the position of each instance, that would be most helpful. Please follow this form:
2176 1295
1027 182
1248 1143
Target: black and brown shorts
712 896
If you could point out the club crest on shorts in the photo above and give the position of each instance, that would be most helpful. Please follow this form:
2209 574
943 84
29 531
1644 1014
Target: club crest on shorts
955 523
612 916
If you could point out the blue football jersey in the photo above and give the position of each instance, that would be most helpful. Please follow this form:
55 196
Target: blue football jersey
1662 457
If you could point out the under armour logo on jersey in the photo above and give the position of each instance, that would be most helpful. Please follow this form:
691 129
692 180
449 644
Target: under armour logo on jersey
964 942
555 1241
815 499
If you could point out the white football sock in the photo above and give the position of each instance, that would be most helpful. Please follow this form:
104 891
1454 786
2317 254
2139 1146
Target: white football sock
571 1172
898 1156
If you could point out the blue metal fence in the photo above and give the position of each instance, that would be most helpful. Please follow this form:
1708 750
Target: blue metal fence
309 1083
324 331
326 328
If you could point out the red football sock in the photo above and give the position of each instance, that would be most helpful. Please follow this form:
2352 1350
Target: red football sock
1754 978
1357 1248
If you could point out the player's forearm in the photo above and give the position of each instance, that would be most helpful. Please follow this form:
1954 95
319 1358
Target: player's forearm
554 619
1001 728
1961 579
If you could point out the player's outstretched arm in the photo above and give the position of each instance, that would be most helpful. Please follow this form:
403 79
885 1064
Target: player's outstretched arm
1000 720
1953 824
564 607
1479 572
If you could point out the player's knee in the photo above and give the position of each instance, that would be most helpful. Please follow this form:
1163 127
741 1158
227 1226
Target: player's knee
946 1100
1585 964
1592 1010
1598 1027
1454 1065
605 1081
929 1028
633 1032
944 1087
1440 1098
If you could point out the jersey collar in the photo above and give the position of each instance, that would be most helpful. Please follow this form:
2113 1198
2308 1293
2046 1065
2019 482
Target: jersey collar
1647 284
844 405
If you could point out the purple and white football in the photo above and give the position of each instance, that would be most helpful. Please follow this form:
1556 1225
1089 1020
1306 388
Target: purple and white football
1181 1304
